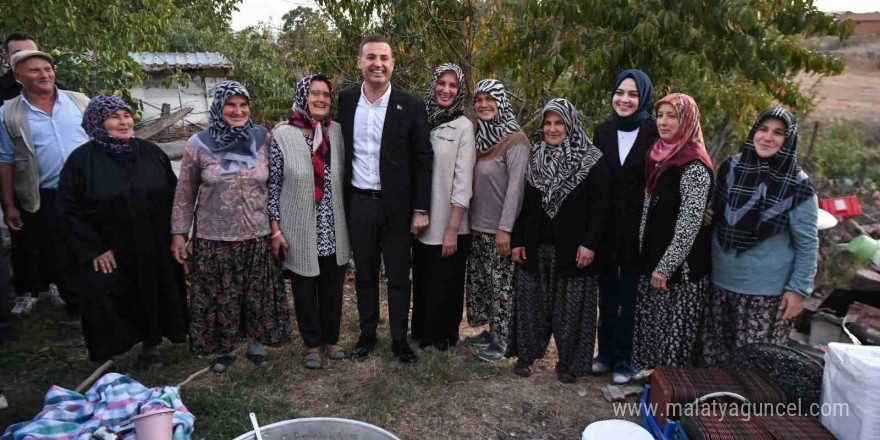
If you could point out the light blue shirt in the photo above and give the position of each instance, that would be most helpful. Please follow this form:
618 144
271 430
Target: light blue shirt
54 137
783 262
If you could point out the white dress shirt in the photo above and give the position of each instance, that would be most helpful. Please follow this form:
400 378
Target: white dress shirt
369 121
625 141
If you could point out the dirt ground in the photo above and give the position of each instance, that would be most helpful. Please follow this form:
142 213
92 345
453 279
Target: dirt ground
448 395
854 95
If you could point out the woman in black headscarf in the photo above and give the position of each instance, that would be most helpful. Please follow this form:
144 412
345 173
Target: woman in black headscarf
237 291
114 210
624 140
556 241
765 241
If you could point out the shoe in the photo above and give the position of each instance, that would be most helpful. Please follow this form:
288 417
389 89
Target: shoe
365 345
522 368
312 360
623 373
620 379
493 353
23 304
563 375
481 340
600 368
260 360
52 296
404 354
334 352
222 364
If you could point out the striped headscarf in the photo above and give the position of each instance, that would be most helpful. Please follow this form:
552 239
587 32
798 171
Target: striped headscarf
685 146
100 108
753 196
556 170
231 143
436 114
302 118
502 124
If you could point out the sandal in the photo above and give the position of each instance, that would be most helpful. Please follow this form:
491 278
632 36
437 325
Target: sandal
312 360
334 352
222 364
260 360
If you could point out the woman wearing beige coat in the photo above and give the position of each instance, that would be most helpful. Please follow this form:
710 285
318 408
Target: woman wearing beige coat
440 252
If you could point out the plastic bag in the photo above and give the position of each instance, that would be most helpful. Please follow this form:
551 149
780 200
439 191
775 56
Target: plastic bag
851 392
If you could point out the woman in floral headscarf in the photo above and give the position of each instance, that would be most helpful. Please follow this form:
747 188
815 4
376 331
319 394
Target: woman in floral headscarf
674 242
237 291
440 251
114 205
499 181
307 214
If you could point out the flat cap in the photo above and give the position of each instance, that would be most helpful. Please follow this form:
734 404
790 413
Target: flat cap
20 56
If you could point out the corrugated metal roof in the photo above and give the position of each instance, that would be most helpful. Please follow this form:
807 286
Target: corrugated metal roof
158 61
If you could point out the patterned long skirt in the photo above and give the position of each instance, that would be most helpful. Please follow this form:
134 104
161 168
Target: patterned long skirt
668 324
564 307
237 292
734 319
489 286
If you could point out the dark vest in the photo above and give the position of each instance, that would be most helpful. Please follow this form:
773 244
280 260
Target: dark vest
660 227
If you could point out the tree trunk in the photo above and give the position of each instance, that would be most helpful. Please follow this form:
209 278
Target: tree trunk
720 139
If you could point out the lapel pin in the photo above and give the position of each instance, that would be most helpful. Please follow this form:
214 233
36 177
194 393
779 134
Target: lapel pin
399 107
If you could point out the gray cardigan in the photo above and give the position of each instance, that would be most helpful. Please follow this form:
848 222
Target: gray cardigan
297 200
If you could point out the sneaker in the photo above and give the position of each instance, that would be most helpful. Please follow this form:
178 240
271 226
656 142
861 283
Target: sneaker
600 368
621 378
623 373
52 296
24 304
493 353
481 340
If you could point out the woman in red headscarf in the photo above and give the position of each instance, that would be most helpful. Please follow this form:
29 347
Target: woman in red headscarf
674 242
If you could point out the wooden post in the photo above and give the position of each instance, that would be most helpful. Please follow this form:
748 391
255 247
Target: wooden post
812 139
166 109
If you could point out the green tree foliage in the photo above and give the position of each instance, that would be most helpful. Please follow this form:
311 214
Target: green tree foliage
839 153
734 56
93 37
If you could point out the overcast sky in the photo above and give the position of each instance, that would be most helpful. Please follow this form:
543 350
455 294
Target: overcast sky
252 12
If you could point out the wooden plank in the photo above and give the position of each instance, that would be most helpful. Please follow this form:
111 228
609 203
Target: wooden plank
154 128
866 280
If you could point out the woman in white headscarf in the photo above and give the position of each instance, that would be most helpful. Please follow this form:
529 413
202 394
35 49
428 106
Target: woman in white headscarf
499 180
441 250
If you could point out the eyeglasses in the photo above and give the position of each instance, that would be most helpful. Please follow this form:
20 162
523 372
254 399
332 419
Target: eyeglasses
319 94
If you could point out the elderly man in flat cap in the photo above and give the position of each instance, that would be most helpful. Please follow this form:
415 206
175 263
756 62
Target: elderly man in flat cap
38 131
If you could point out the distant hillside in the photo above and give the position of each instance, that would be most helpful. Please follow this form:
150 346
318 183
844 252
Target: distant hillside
853 96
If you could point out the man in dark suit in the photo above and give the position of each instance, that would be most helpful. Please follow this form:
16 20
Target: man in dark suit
15 42
388 161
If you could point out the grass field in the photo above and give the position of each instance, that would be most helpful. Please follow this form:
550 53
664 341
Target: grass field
448 395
